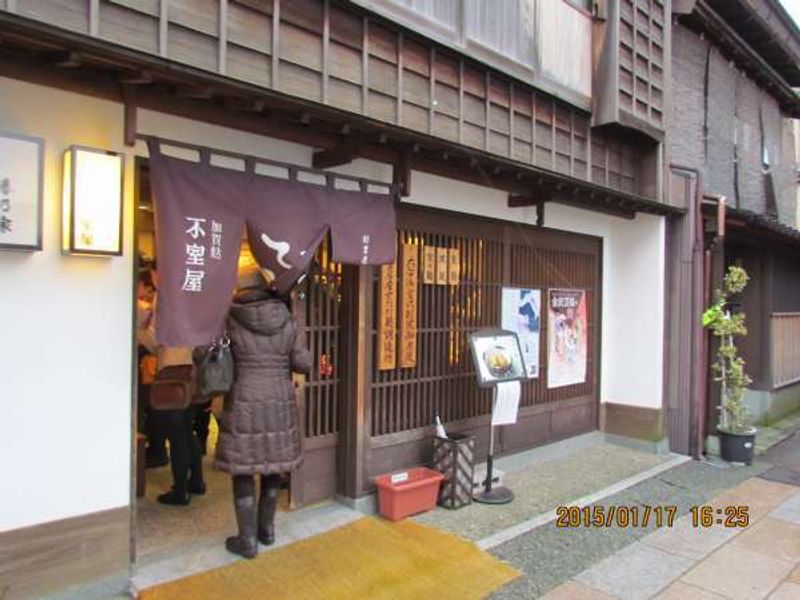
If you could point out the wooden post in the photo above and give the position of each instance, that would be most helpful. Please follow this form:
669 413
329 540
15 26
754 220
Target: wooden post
355 412
299 311
129 99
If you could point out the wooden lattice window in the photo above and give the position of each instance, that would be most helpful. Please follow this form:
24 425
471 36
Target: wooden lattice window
492 255
319 307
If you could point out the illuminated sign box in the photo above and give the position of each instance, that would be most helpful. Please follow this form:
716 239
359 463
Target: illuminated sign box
92 202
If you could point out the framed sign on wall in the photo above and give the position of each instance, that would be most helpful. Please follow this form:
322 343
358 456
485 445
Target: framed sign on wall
21 189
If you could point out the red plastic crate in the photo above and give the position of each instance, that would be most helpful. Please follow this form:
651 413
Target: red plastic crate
415 495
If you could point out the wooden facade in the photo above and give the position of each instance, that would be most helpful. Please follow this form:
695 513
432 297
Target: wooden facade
387 411
631 81
785 349
335 55
402 402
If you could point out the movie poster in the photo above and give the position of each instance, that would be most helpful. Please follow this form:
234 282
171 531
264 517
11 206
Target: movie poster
521 313
567 339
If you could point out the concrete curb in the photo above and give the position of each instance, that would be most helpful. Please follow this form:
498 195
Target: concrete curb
508 534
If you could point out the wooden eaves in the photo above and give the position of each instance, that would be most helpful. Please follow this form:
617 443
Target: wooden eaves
47 55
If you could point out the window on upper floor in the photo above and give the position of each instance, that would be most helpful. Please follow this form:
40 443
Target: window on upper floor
525 38
505 26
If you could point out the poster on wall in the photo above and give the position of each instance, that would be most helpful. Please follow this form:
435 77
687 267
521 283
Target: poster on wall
521 313
21 163
567 338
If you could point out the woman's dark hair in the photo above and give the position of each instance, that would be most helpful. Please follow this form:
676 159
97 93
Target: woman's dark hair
146 278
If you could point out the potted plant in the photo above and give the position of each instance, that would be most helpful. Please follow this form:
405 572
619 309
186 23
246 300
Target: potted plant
736 434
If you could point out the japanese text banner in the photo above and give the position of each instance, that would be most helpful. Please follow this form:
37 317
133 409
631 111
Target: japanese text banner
198 236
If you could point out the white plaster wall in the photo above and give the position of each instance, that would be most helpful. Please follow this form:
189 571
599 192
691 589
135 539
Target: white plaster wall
632 343
65 360
65 355
633 280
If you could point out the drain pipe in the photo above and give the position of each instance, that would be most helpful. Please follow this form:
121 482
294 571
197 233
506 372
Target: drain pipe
713 270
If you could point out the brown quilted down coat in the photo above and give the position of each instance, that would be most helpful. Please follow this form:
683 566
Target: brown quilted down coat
259 428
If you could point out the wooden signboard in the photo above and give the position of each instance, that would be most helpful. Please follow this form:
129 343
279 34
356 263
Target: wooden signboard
408 306
429 264
387 318
442 265
454 267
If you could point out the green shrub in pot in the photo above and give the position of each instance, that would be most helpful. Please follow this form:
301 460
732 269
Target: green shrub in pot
728 368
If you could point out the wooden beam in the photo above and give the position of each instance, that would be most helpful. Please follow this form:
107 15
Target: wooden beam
326 52
194 92
275 52
163 28
66 60
364 65
130 113
523 200
342 155
612 210
222 34
401 174
246 104
136 78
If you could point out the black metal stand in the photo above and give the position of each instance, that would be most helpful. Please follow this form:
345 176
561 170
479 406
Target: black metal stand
498 495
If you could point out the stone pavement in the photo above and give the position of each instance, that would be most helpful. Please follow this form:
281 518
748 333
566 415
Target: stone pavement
687 561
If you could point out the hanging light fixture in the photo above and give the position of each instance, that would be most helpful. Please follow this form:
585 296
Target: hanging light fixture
92 202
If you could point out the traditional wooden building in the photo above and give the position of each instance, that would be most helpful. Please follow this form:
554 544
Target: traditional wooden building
734 69
530 145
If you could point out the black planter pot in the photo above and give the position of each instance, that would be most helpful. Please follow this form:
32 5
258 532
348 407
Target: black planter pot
737 447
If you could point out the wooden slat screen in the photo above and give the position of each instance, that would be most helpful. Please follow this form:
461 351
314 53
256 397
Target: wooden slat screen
492 254
785 348
322 329
641 59
325 52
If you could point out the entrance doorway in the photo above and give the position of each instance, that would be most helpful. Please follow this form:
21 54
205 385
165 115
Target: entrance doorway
162 530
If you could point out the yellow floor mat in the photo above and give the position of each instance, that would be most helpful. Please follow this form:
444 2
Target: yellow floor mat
369 558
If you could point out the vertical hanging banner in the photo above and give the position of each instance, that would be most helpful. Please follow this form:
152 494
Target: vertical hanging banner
428 264
453 266
408 305
198 234
387 317
442 265
520 312
567 338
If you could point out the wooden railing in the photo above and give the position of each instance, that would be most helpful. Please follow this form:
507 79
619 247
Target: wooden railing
785 348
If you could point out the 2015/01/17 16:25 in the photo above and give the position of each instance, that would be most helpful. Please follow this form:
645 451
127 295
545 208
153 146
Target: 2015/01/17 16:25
728 516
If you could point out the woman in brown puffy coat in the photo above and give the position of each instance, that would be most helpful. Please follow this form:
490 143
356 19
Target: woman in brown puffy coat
260 429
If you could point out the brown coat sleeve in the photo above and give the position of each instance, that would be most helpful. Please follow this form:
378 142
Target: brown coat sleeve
301 357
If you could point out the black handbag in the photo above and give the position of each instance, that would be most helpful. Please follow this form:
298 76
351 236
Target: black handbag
215 369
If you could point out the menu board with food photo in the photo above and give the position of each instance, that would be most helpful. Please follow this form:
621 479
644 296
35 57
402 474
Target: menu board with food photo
497 356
